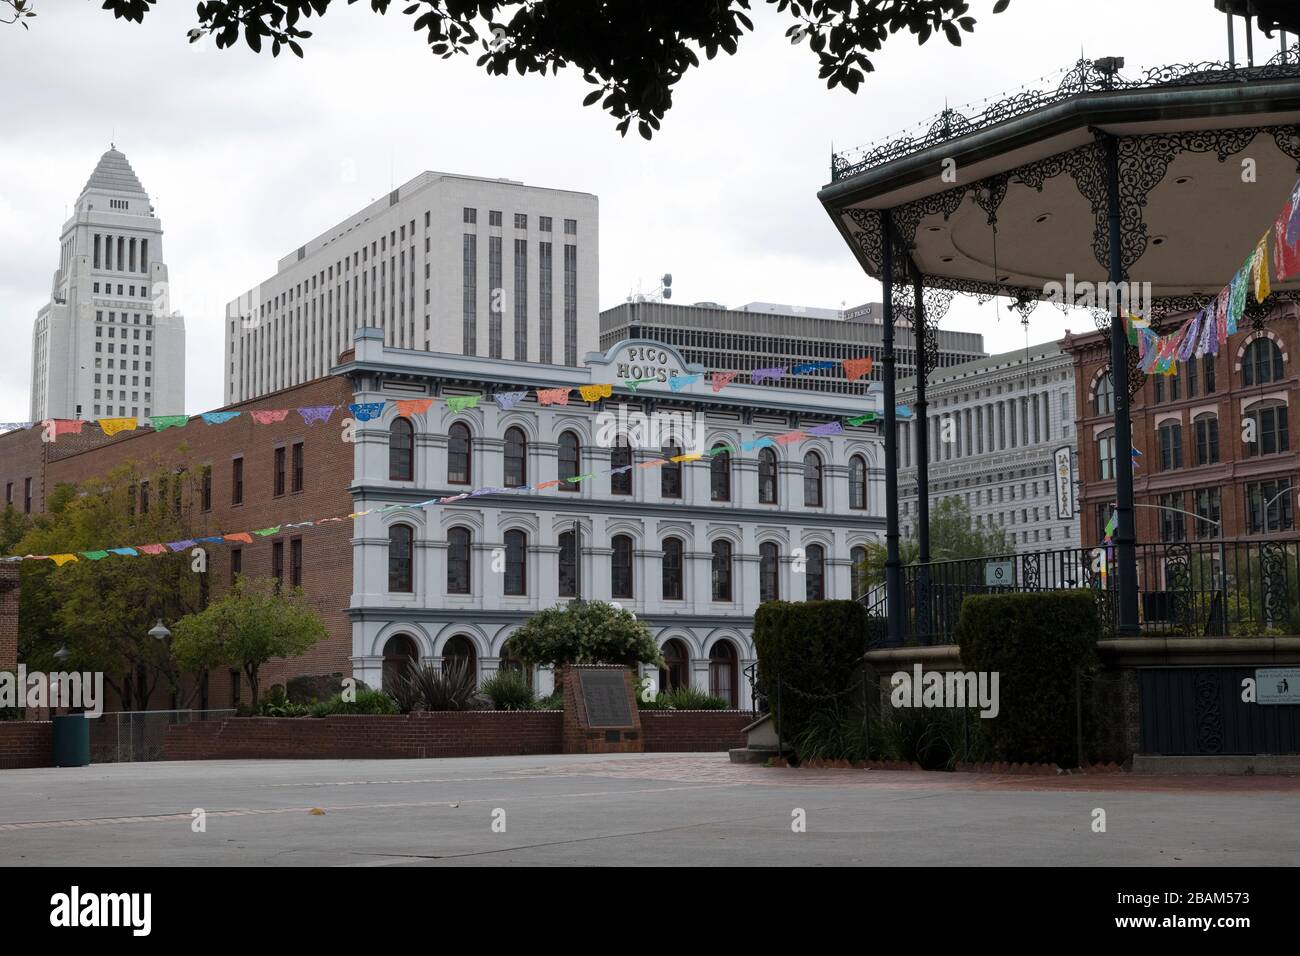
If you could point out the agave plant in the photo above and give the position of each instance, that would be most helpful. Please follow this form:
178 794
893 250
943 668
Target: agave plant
449 688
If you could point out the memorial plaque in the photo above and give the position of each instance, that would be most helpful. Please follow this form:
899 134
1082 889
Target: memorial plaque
605 697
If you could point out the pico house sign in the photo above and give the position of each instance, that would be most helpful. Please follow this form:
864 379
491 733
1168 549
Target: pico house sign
641 361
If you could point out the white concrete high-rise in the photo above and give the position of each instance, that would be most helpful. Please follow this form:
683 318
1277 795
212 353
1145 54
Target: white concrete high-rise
444 263
107 345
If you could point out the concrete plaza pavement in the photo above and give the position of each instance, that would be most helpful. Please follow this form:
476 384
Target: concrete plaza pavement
652 809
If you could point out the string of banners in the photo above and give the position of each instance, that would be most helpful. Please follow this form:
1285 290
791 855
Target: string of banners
854 369
1208 330
246 537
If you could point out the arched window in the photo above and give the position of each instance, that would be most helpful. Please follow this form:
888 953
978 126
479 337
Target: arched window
1104 402
858 482
1106 455
621 567
620 456
812 480
676 671
1261 363
1272 432
815 573
459 541
400 558
570 460
1170 436
401 450
459 650
767 482
399 654
720 475
568 564
769 571
722 570
722 671
516 562
516 458
672 569
1207 438
858 570
459 457
670 473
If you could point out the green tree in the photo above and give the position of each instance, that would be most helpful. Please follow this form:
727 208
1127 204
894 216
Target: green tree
102 610
585 632
252 623
633 53
13 526
953 536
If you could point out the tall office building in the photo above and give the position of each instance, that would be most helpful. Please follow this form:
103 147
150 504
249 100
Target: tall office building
444 263
766 335
107 345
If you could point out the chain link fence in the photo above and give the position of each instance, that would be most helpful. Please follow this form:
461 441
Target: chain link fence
131 735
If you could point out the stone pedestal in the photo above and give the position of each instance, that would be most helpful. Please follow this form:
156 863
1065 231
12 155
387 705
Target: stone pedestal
600 710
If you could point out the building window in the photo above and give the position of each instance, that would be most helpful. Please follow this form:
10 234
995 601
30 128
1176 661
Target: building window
236 564
858 567
521 220
399 657
279 471
1172 525
401 540
1272 433
722 671
295 563
401 450
544 223
670 473
722 570
676 672
1208 505
568 564
1104 402
1160 388
298 453
27 496
769 572
469 215
1171 445
277 563
815 573
812 480
510 661
767 481
621 567
1268 506
458 549
672 569
469 293
858 482
720 475
1207 439
494 217
516 458
458 652
620 456
1261 363
1190 376
1209 374
1106 456
205 494
570 460
459 463
516 563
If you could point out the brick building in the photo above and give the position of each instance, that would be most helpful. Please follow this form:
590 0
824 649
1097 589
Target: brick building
261 476
1191 431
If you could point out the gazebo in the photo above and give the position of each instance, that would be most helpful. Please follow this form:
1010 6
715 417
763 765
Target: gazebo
1166 179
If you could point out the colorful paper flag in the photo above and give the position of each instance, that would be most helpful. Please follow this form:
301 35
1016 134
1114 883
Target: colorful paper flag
269 416
111 426
760 375
594 393
218 418
554 396
164 422
366 411
855 368
312 414
459 403
508 400
720 380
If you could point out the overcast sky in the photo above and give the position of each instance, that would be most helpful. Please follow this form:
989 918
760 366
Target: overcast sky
246 156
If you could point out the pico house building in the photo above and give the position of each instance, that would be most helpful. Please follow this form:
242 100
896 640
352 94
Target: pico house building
447 562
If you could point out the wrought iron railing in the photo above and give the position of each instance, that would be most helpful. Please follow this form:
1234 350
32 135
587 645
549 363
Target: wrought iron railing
1083 77
1185 589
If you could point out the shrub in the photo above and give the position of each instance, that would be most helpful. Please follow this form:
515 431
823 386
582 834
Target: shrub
1034 642
936 738
277 704
367 702
683 698
832 735
449 688
816 649
405 693
585 632
554 702
308 688
509 690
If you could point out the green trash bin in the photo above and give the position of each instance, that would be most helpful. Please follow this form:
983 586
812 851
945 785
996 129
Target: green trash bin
71 740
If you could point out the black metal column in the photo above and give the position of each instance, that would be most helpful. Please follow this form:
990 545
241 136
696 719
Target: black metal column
922 423
893 576
1125 534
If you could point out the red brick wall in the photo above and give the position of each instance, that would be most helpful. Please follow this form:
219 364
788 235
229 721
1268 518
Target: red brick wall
8 616
26 743
22 456
1234 470
327 549
579 736
676 731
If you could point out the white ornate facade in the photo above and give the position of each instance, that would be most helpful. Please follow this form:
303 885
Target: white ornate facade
728 537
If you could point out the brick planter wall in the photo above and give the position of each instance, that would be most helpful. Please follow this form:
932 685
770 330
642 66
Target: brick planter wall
26 743
675 731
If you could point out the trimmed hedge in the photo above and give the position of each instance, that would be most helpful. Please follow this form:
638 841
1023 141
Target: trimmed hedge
1033 642
816 648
